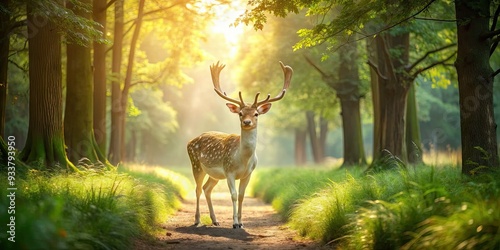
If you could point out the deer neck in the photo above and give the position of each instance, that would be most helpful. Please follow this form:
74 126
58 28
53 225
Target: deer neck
248 142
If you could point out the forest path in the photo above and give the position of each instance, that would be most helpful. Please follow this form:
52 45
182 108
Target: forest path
263 228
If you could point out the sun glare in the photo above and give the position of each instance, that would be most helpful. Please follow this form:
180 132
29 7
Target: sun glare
222 24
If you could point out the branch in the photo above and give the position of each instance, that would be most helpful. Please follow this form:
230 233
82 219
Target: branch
155 11
442 62
493 27
18 24
388 27
494 45
129 28
388 60
495 19
490 34
323 74
110 3
18 66
495 73
436 19
427 54
377 70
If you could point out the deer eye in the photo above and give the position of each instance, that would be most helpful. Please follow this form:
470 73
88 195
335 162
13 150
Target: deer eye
241 113
256 114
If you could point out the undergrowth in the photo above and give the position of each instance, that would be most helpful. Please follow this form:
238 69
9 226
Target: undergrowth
420 208
88 210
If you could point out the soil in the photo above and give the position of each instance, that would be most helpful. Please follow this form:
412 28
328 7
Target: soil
263 228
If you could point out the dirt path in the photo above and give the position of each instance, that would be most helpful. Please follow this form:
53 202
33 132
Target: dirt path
263 228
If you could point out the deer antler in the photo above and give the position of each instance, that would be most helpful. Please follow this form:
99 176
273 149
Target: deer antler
215 70
287 72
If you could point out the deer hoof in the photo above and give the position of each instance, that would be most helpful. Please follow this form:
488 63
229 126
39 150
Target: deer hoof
216 224
238 226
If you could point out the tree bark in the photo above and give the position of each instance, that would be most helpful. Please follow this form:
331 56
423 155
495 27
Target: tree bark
132 147
99 15
315 144
413 142
78 118
323 134
300 146
114 154
348 92
475 85
45 143
354 153
128 74
371 47
5 29
392 96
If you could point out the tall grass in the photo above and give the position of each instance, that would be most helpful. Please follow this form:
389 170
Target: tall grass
88 210
425 207
283 187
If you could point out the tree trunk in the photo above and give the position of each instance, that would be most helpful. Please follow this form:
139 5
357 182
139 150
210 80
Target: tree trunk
45 142
347 90
4 60
392 93
315 145
475 85
132 146
323 134
5 30
128 75
99 15
114 154
348 93
413 142
78 117
300 146
372 56
354 153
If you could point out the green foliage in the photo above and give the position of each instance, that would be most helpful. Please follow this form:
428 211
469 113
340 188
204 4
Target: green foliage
154 121
288 187
16 113
471 226
438 114
308 92
77 29
257 16
335 19
88 210
151 113
421 208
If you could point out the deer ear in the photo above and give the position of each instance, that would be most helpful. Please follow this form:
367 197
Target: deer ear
233 108
262 109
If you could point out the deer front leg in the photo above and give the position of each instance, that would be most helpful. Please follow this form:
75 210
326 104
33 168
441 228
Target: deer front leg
234 197
207 188
241 195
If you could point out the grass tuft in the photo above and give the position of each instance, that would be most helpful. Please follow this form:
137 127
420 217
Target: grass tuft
89 209
415 208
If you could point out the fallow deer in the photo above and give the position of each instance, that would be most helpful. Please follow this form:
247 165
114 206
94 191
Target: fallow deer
230 156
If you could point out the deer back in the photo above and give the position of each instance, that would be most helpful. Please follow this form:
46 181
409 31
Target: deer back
214 149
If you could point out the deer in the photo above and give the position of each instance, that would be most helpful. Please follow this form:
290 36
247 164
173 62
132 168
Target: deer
230 156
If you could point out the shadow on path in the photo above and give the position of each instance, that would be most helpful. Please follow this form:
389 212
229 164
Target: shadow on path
212 231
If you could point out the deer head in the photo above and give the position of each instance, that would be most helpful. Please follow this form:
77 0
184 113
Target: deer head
249 112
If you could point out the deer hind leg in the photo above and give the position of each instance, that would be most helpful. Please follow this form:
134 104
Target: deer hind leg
207 188
199 175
